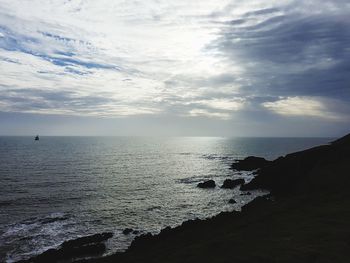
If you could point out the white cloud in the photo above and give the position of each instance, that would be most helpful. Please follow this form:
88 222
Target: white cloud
301 106
209 114
126 50
223 104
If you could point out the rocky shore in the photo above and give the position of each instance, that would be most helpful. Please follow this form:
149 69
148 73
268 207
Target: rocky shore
71 250
306 218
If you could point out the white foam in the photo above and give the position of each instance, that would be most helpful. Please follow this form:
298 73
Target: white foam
36 235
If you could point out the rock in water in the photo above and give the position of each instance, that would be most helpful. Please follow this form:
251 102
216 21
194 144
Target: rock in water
207 184
250 163
232 201
230 184
127 231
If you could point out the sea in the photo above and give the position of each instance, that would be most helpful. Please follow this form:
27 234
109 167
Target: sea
61 188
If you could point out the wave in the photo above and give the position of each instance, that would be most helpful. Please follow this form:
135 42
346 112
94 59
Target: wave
217 157
157 207
35 235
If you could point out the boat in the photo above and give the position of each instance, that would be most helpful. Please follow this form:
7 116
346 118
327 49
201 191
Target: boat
36 138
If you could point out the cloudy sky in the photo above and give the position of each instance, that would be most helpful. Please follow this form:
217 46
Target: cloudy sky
161 67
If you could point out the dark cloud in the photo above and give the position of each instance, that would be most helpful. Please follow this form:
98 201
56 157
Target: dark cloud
291 54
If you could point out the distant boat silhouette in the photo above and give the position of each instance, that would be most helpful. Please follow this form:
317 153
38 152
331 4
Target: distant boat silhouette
36 138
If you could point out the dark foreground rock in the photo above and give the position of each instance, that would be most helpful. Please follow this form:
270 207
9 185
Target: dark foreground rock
250 163
73 249
207 184
230 184
299 230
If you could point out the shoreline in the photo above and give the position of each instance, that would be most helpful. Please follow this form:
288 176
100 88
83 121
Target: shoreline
295 223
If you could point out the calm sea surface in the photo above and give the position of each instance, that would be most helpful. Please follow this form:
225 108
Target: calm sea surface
61 188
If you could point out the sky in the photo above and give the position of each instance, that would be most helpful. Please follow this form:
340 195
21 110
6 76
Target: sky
175 68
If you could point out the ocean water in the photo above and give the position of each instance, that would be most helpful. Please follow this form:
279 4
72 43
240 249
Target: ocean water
61 188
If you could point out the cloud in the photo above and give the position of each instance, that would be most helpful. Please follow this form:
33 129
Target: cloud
291 52
209 114
299 106
68 103
85 55
223 104
212 59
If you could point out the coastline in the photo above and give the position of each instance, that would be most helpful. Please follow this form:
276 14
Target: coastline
305 219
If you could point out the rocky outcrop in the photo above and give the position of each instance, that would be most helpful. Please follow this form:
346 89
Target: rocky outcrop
230 184
306 171
250 163
77 248
207 184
